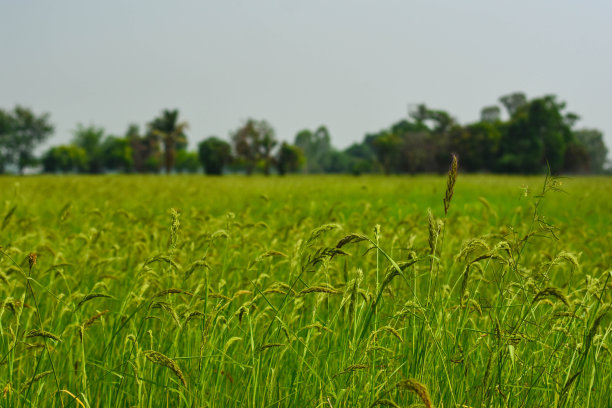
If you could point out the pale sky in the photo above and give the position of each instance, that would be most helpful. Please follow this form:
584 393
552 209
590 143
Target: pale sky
354 66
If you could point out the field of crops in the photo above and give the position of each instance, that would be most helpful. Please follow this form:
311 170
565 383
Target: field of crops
305 291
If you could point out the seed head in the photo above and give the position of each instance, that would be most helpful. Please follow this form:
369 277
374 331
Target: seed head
159 358
418 388
32 259
551 292
450 184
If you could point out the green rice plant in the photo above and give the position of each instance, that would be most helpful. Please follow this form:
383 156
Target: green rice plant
332 291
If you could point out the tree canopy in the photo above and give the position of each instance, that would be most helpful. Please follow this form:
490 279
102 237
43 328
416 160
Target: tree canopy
167 128
21 132
214 154
528 136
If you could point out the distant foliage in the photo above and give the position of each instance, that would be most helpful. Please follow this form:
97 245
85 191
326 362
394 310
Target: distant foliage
594 146
527 136
538 135
290 159
316 147
254 142
21 132
168 131
65 159
214 154
90 139
187 162
117 154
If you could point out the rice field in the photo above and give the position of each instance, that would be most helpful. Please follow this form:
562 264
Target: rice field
305 291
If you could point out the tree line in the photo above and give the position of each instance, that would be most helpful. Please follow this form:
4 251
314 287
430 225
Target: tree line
537 134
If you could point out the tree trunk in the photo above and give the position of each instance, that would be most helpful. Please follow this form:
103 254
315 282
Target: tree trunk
169 151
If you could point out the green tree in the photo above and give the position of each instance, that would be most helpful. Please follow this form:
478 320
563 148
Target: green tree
439 121
576 159
490 114
477 145
117 154
410 146
21 131
304 141
316 147
146 154
337 162
254 141
171 133
90 138
387 147
214 154
246 145
64 159
513 102
420 114
596 150
5 126
423 143
417 153
187 162
361 157
537 134
290 159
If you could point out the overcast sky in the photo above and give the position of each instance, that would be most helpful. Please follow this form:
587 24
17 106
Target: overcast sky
355 66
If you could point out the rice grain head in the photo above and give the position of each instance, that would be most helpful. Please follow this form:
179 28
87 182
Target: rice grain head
93 319
91 296
32 259
352 368
174 227
551 292
34 379
450 184
319 289
42 333
567 257
391 330
160 359
417 388
354 238
270 345
317 232
385 402
172 291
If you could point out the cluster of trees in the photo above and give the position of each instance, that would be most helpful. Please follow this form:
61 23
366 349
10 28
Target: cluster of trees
536 134
162 146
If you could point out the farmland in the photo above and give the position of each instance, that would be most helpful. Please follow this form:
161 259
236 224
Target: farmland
313 291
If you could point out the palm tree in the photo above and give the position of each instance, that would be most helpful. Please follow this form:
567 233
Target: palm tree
171 132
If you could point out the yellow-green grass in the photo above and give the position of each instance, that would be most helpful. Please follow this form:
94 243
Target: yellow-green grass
241 295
